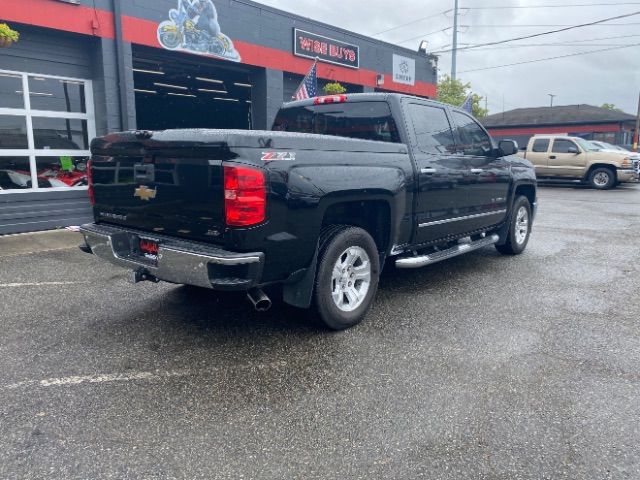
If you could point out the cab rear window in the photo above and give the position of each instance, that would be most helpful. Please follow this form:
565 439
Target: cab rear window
363 120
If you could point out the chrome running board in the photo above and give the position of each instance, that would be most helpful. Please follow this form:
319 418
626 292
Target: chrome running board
424 260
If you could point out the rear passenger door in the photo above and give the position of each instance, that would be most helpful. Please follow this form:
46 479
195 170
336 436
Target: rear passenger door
441 196
539 155
488 174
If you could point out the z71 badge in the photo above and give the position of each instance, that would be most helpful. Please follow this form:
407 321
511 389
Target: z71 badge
281 156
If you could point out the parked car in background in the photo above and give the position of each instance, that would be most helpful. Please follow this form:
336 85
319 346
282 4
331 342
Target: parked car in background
573 158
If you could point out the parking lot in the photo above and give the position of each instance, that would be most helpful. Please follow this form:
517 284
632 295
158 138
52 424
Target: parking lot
483 367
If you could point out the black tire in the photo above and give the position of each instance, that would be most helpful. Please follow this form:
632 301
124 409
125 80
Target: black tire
515 243
333 247
597 178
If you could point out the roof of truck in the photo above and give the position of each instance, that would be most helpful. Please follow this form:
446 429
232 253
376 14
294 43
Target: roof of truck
359 97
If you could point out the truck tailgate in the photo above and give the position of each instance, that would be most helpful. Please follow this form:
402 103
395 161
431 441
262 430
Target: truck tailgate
161 188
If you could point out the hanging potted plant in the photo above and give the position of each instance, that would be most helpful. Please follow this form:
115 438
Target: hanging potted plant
7 35
334 88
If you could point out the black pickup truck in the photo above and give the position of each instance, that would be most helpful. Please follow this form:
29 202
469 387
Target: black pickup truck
341 185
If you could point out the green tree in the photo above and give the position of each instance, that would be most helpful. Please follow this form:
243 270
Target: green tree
611 106
454 92
334 88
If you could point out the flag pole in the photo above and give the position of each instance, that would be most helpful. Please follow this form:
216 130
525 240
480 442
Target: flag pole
315 63
636 135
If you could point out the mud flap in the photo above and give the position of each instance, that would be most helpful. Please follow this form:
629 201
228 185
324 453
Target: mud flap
300 293
503 232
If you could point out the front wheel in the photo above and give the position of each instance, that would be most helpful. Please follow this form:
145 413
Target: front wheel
520 228
602 178
347 278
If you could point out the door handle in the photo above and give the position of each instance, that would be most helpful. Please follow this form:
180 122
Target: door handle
428 171
552 157
477 170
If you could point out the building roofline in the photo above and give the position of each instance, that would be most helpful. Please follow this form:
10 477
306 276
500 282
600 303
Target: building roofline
328 26
556 124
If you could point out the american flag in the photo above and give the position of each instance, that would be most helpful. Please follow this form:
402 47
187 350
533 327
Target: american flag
467 106
309 86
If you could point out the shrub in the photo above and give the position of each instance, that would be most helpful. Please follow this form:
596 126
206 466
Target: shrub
7 32
334 89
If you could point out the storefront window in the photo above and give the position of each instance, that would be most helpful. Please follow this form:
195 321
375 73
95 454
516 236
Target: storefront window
56 95
13 132
15 173
62 171
11 91
44 131
60 134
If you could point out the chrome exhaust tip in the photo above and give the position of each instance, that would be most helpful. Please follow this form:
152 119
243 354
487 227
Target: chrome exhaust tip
259 300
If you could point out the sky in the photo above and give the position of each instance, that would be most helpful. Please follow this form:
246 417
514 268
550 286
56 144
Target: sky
606 77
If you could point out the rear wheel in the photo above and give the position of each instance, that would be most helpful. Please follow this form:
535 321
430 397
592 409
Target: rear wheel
602 178
520 229
347 278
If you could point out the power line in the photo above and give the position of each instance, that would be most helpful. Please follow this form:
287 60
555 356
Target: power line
499 42
509 7
571 43
424 35
509 47
412 22
551 58
494 25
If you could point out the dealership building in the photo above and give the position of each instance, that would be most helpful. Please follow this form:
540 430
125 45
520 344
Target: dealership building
84 68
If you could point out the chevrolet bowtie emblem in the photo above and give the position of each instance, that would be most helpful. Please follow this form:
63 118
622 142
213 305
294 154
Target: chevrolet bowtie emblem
145 193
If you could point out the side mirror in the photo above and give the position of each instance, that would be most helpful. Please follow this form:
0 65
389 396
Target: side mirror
508 147
573 150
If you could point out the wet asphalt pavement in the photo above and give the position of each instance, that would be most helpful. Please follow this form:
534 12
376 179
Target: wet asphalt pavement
482 367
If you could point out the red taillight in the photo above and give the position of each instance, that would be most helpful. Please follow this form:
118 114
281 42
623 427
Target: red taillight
329 99
245 196
92 198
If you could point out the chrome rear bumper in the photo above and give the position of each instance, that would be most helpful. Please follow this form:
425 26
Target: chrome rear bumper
178 261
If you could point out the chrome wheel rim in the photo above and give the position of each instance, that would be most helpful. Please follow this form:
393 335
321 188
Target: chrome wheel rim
351 279
522 225
601 179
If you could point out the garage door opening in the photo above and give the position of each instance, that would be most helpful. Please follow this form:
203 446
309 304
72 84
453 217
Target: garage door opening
175 90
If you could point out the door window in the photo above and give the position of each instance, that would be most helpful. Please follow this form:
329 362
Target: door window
473 139
46 124
432 128
541 145
563 146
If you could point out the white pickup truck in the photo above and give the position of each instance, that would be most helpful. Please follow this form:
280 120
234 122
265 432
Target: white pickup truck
574 158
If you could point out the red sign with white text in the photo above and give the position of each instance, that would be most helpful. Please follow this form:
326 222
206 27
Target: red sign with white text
310 45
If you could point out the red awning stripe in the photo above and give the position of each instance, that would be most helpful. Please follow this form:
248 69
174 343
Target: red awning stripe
60 16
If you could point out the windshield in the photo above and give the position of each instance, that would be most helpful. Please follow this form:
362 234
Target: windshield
615 147
586 145
363 120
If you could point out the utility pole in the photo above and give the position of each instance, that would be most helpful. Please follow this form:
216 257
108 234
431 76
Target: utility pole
454 49
552 97
636 135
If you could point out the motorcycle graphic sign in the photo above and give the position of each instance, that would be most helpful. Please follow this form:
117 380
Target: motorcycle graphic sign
193 27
